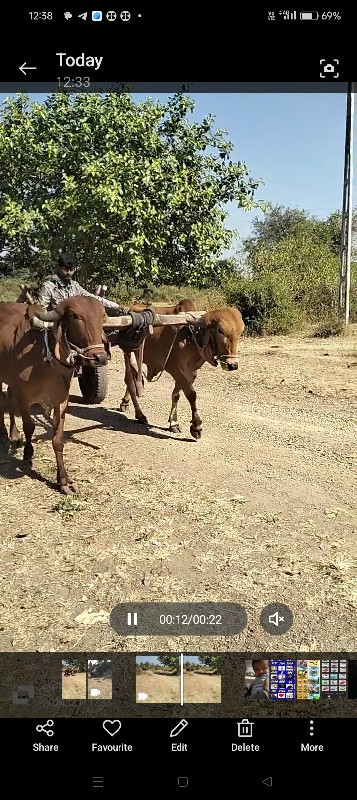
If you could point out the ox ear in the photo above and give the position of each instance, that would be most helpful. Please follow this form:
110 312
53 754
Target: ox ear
59 334
33 310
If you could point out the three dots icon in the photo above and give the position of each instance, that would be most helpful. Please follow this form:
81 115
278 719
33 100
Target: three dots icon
311 727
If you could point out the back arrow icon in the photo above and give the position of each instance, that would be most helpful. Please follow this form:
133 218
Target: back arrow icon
24 67
268 781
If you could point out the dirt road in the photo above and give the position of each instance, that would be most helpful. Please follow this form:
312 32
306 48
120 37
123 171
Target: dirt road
262 509
103 685
74 687
201 688
158 688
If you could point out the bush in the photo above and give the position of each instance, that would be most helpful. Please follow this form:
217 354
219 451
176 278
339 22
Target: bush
329 327
308 270
205 299
266 305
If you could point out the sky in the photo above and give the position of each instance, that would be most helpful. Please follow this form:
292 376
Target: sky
293 142
150 659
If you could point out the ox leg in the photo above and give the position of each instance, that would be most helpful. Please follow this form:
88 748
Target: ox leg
4 439
124 404
66 485
29 427
131 388
140 378
196 422
173 420
15 435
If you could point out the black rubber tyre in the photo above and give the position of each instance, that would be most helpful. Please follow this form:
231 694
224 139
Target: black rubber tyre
93 383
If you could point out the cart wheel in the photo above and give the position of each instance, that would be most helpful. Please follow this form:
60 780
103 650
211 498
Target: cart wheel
93 383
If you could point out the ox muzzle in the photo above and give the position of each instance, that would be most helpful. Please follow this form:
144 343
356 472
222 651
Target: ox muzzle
228 363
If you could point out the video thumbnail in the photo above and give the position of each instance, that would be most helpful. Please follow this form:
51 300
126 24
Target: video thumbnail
74 679
100 679
201 679
158 679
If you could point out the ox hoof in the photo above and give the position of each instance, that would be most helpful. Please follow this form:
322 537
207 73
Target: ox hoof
17 442
175 429
142 420
123 407
69 489
196 432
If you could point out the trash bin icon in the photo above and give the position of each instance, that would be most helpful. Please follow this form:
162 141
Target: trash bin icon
245 729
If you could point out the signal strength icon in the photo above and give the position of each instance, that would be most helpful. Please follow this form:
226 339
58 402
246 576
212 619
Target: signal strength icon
83 16
288 14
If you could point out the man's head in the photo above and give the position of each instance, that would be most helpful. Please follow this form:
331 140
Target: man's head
65 267
260 667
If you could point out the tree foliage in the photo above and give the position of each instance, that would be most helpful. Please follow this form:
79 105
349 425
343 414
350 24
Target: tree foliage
280 224
77 663
130 189
211 661
170 661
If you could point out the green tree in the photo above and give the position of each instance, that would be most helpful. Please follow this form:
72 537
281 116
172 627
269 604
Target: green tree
211 661
170 661
281 223
133 190
78 663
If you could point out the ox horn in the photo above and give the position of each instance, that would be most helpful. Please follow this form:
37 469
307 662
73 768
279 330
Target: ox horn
48 316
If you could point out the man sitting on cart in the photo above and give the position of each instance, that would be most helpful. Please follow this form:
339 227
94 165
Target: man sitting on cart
61 285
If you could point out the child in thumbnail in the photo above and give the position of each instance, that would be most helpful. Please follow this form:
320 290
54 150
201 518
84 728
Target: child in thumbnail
259 689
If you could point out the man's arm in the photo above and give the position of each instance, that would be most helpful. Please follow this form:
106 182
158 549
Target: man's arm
109 304
45 295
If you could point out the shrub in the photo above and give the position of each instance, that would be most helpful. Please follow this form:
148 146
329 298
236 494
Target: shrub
329 327
266 305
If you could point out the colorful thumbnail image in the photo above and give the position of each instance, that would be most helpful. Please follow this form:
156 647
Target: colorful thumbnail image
202 679
352 680
158 679
333 678
74 679
257 679
282 679
308 685
100 674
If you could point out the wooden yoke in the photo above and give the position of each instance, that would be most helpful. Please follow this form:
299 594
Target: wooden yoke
114 323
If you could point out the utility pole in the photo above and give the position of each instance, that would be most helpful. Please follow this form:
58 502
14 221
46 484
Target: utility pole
346 231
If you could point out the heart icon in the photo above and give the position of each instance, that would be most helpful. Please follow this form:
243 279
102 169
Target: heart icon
112 726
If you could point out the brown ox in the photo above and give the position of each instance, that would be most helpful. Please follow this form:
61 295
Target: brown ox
182 351
38 365
133 363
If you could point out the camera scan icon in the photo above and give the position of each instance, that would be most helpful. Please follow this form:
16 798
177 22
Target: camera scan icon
329 67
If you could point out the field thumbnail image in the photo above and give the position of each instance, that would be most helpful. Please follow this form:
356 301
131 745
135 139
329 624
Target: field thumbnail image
100 673
201 679
158 679
74 679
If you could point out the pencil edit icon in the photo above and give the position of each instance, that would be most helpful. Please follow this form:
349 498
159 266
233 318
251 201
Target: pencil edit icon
178 728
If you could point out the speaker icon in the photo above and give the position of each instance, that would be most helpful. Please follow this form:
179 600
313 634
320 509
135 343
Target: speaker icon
274 619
